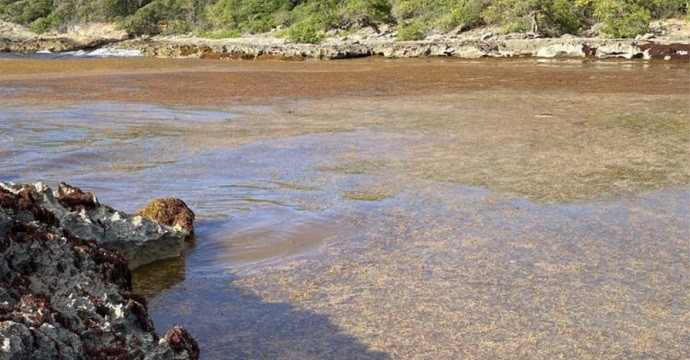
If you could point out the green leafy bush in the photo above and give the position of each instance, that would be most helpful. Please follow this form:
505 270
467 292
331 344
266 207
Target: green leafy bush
622 18
464 14
144 21
25 11
44 24
555 17
167 16
661 9
308 20
306 31
251 16
411 31
511 15
559 17
367 11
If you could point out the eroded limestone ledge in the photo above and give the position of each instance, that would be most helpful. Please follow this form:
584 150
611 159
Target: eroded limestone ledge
138 239
496 47
63 294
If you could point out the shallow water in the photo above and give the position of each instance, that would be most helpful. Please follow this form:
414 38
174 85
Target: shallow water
128 154
332 233
71 55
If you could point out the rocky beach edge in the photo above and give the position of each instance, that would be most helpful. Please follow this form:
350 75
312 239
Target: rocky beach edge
670 43
65 281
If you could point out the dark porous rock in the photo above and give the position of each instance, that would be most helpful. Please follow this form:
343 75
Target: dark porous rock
140 240
181 342
676 51
172 212
65 297
76 200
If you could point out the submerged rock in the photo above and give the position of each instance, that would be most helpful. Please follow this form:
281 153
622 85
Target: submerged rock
140 240
63 296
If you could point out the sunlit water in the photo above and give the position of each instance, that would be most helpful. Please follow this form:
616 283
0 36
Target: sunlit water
266 204
130 154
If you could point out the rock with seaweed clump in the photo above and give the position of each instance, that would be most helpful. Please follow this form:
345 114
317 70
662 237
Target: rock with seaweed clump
66 297
139 239
172 212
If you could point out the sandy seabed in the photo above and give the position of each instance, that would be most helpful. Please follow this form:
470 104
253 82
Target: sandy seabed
475 209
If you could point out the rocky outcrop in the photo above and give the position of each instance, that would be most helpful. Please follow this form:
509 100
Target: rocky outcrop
669 44
66 297
497 47
16 38
54 44
140 240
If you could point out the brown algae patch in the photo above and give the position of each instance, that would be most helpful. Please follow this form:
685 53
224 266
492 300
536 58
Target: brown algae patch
586 149
361 193
366 195
484 276
353 166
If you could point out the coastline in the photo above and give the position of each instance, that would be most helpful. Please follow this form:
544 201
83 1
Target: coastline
500 47
479 43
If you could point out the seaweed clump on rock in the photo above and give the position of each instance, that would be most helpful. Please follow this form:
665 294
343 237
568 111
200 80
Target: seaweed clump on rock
62 296
139 239
172 212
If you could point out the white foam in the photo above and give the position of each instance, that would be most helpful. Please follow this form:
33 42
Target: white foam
77 53
115 53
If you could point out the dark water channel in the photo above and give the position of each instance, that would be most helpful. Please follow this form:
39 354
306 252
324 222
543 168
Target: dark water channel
291 243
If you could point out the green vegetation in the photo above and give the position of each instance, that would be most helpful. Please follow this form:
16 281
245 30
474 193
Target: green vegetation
308 20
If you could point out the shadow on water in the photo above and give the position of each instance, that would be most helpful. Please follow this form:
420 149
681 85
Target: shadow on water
153 279
234 323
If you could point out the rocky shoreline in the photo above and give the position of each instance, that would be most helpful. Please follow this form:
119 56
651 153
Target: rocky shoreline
65 281
481 43
499 47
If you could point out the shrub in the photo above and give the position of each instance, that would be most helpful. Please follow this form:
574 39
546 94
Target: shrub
249 15
511 15
464 13
437 15
310 19
26 11
660 9
306 20
411 31
621 18
144 21
306 31
43 24
367 11
168 16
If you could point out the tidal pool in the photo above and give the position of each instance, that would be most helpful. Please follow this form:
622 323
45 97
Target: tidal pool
502 219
